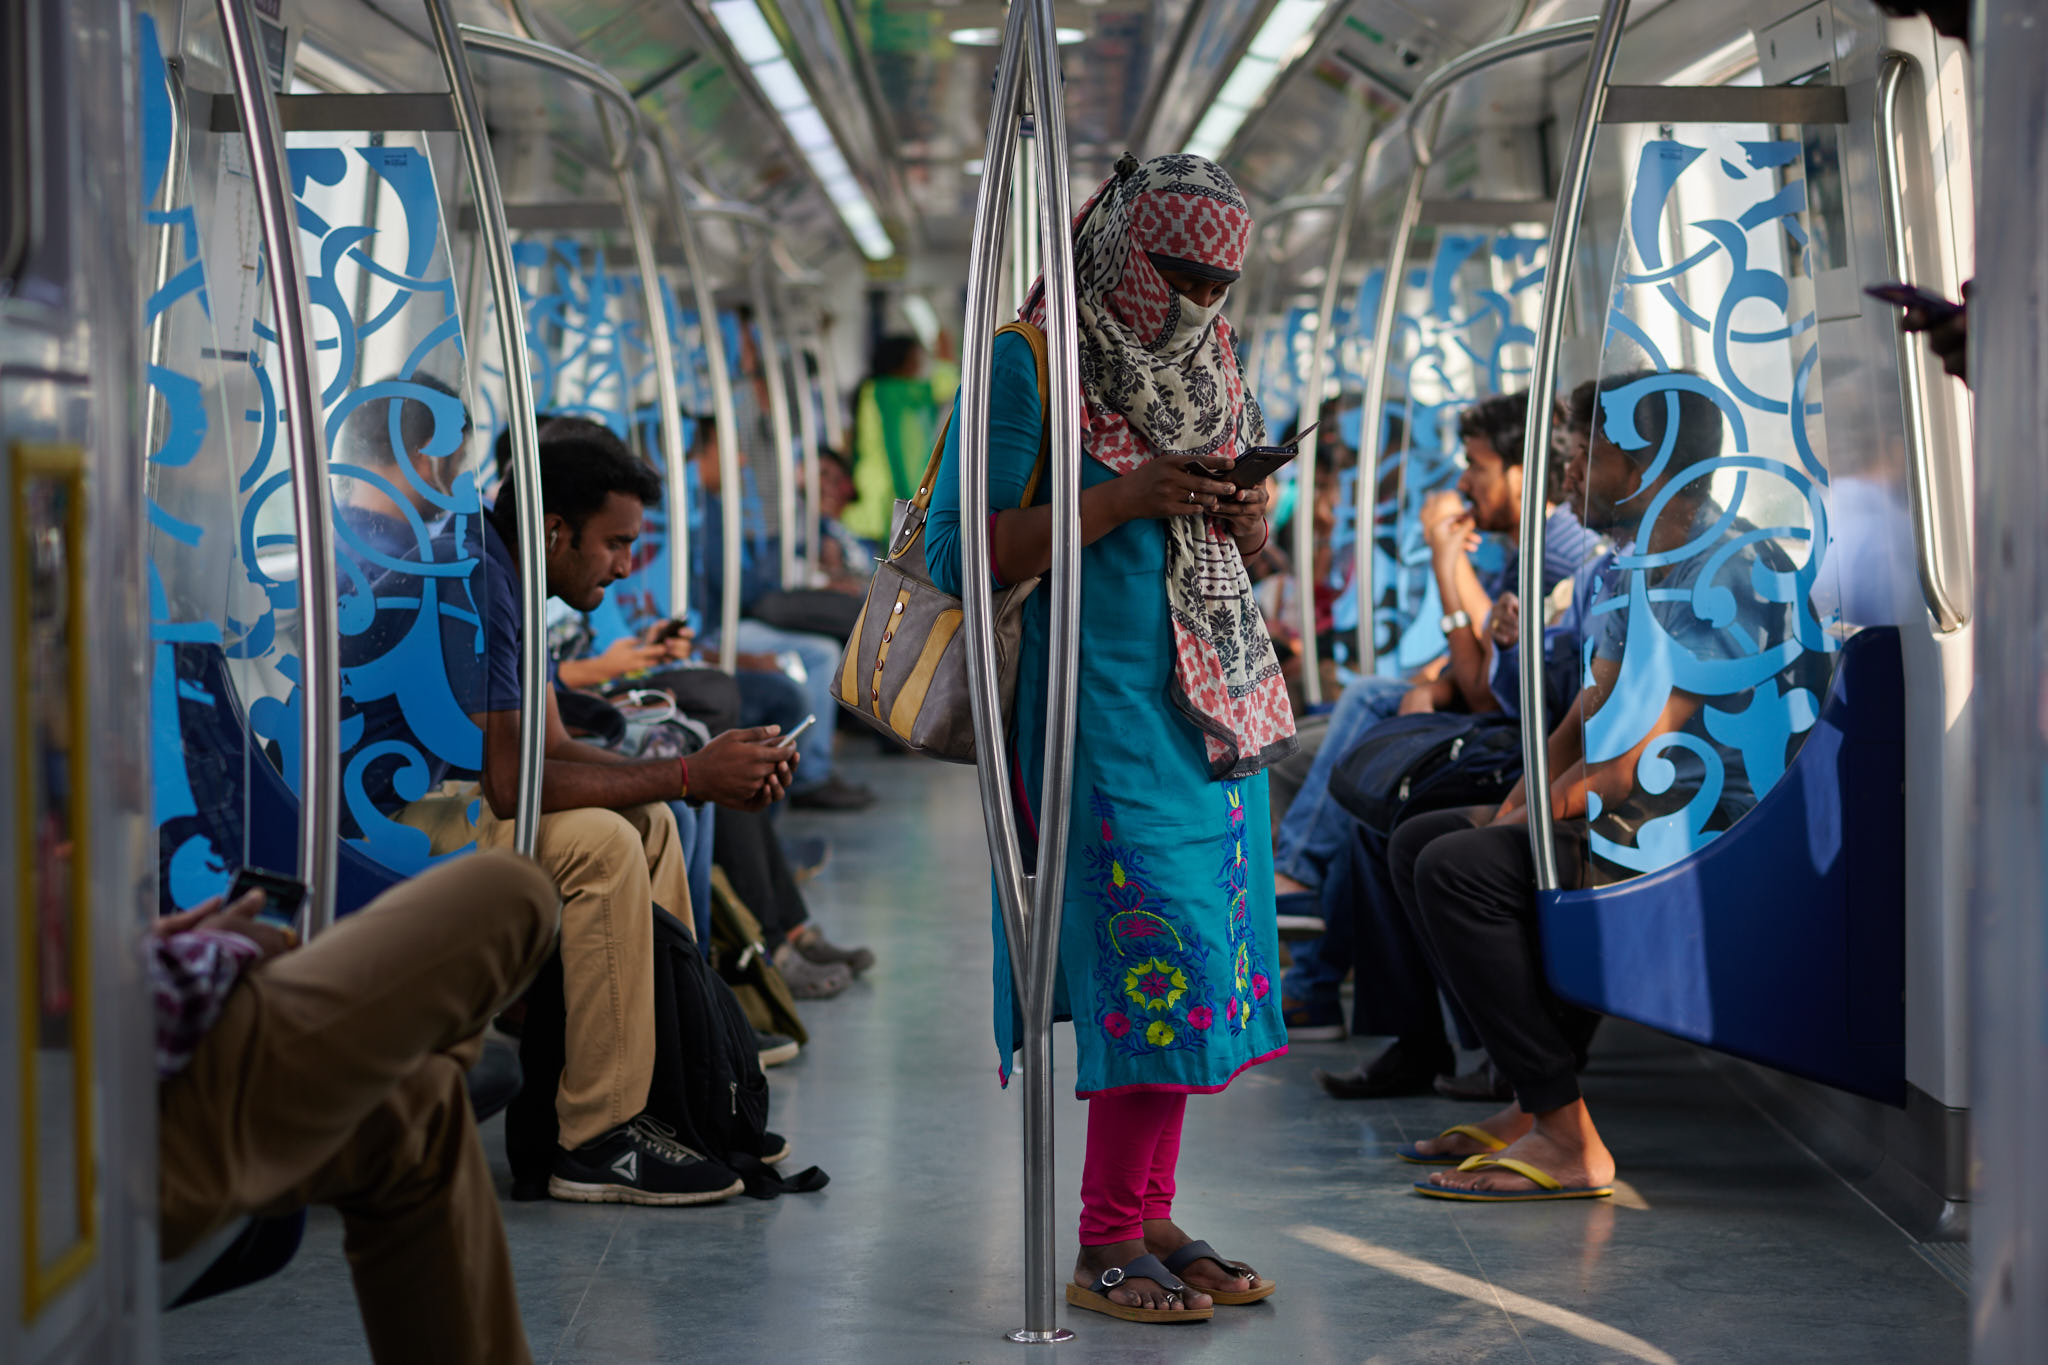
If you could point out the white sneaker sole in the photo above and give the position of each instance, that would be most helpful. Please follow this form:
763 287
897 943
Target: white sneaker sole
776 1056
1300 926
577 1192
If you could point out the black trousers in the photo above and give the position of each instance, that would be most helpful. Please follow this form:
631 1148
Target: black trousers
1470 894
744 844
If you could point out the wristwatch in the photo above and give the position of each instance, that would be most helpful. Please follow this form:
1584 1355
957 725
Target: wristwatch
1457 620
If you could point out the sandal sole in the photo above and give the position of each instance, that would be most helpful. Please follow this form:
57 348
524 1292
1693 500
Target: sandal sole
577 1192
1102 1303
1237 1298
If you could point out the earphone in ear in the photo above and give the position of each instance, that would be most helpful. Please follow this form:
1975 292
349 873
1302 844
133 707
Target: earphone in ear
552 535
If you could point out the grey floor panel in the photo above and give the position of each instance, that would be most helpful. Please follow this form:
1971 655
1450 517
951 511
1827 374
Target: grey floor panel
1729 1243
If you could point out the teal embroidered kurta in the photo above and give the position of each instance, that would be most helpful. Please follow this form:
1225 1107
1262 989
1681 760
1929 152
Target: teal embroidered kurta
1167 945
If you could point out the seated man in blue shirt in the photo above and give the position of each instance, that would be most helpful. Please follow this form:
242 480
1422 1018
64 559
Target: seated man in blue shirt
1466 877
1316 831
606 835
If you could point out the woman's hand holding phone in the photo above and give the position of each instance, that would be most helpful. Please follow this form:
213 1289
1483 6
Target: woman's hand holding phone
1172 486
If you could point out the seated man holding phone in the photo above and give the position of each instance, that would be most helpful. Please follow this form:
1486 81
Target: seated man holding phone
606 834
333 1074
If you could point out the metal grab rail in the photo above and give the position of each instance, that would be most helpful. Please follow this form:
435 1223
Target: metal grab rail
1488 54
1311 408
1933 551
768 348
1564 232
828 381
156 407
1030 904
580 69
1426 108
306 441
496 243
807 433
621 148
722 411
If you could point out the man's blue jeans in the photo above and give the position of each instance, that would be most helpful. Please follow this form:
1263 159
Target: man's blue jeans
695 827
1316 827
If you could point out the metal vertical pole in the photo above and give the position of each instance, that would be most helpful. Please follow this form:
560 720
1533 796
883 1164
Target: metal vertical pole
674 470
721 409
1371 430
495 240
1564 232
769 346
305 436
1311 409
1030 905
157 410
828 388
807 432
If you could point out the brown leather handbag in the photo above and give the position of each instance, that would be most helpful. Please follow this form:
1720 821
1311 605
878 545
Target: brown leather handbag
905 670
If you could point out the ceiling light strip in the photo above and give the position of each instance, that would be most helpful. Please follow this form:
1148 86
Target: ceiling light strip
748 30
1280 40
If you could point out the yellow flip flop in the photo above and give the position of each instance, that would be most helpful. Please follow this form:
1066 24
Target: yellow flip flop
1547 1185
1479 1135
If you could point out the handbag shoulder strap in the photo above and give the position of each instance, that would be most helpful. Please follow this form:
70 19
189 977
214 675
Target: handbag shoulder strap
1035 339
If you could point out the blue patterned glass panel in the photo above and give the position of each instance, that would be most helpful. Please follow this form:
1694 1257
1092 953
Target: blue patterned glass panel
199 786
409 563
1713 640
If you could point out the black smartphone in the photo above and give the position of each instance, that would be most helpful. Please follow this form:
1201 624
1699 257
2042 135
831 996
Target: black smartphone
282 896
668 630
1901 295
1257 465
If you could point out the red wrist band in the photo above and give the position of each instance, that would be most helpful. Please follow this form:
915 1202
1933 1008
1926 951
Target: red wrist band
1267 527
684 764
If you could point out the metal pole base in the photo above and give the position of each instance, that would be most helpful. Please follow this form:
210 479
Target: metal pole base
1024 1336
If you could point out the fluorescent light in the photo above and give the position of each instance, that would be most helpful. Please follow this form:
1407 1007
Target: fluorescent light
993 37
1279 41
761 50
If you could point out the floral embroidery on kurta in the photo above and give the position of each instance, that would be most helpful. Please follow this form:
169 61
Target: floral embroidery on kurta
1251 982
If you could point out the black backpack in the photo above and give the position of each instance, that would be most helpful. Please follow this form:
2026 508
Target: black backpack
1435 760
707 1084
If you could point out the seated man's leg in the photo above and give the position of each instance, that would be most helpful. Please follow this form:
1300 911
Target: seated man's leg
328 1079
597 861
1314 831
821 658
1474 898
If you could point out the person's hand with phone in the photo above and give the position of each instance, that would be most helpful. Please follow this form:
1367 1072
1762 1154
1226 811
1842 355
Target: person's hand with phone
674 638
746 769
241 918
1504 625
1243 517
1448 527
1172 486
1945 323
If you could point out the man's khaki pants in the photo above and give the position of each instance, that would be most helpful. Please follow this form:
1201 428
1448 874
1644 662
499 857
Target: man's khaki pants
335 1076
612 868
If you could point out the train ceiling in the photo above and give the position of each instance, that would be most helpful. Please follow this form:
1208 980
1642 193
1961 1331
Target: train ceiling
906 97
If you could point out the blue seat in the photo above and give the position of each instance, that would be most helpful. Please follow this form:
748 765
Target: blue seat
1783 940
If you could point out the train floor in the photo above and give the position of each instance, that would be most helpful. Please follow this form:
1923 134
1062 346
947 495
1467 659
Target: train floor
1726 1242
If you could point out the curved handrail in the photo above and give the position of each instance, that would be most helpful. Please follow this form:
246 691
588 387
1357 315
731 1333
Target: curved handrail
527 50
768 348
1030 905
1504 48
495 240
722 410
1564 232
306 441
1312 406
675 472
1931 550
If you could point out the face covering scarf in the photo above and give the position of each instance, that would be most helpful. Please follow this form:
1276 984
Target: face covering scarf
1160 379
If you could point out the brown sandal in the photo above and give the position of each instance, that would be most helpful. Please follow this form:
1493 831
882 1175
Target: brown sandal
1255 1288
1096 1297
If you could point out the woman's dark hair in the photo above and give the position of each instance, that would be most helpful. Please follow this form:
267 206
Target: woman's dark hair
1499 421
1578 409
581 465
892 353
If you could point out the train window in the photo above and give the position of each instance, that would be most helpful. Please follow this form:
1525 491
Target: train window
15 138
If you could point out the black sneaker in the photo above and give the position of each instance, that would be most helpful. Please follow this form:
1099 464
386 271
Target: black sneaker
640 1163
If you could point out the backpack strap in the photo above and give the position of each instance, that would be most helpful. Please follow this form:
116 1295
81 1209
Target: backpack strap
1035 339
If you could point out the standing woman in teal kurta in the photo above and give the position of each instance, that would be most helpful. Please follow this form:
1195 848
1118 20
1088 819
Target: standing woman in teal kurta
1167 953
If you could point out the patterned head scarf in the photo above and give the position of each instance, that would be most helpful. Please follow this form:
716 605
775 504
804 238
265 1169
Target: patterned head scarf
1160 378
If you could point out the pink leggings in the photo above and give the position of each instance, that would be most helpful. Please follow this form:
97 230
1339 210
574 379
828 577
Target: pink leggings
1133 1146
